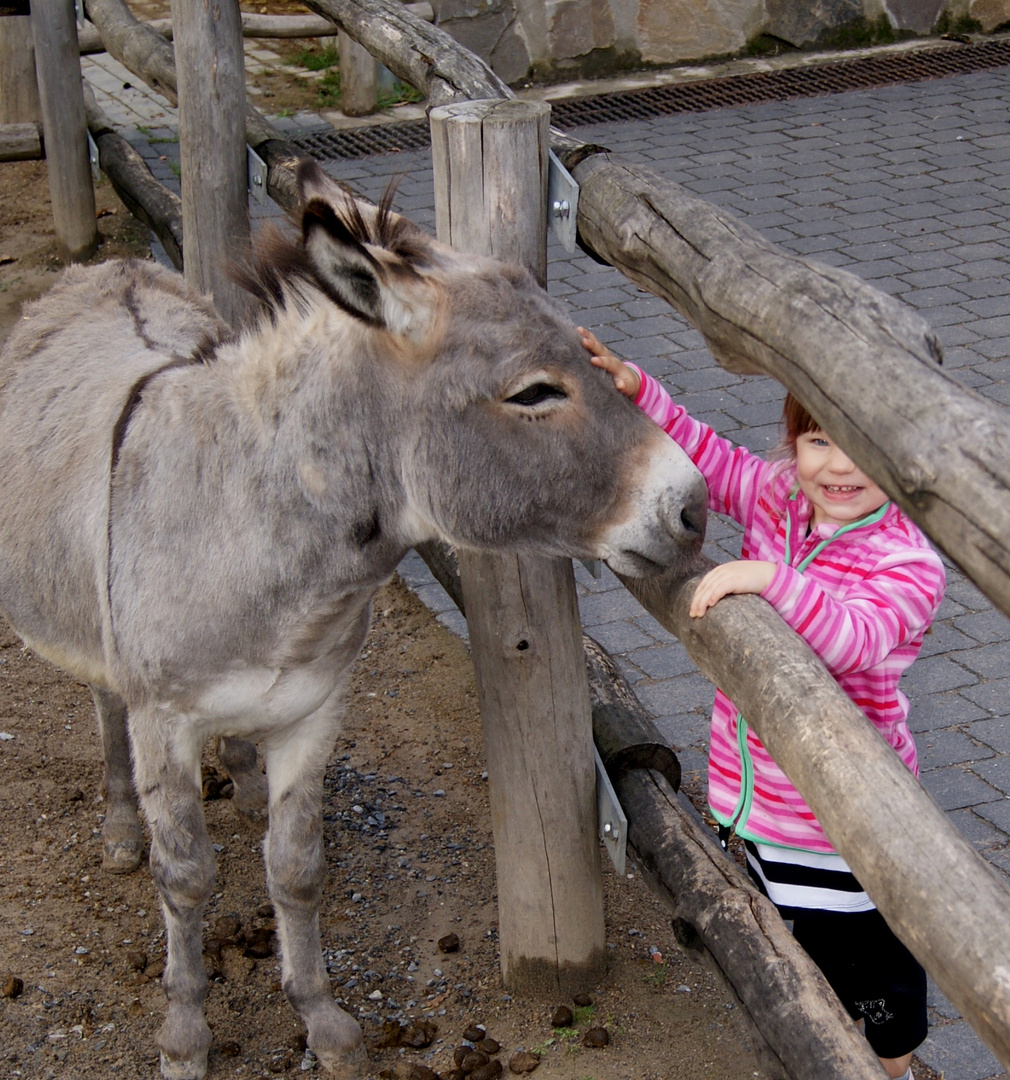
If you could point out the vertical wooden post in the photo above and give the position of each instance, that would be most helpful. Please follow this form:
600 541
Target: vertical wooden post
65 127
358 88
490 163
210 63
19 91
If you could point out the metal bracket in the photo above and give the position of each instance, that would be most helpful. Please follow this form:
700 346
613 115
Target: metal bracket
562 201
257 170
79 9
613 822
594 566
96 170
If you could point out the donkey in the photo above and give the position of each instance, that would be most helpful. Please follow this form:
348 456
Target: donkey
194 523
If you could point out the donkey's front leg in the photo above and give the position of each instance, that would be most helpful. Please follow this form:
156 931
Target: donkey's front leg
122 836
167 761
296 868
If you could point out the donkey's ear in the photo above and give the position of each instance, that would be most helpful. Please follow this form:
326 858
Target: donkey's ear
342 264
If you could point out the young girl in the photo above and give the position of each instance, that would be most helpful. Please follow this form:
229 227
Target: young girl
850 573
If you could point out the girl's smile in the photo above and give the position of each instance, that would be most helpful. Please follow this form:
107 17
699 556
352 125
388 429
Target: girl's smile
838 492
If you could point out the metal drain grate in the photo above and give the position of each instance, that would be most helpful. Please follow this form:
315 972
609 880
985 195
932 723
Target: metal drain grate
858 73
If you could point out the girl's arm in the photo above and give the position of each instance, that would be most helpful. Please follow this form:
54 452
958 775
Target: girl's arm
884 610
734 475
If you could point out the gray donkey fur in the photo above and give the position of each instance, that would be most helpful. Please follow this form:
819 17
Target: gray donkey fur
194 523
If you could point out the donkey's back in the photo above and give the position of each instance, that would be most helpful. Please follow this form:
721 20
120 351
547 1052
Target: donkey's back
69 373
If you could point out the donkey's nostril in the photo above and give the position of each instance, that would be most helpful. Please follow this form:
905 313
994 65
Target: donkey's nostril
695 514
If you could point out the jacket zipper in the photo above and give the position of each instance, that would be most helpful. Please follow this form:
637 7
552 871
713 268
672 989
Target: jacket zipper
741 812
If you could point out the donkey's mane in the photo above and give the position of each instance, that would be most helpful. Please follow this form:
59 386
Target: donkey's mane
279 267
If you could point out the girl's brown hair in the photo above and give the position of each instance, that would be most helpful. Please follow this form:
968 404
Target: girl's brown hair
797 421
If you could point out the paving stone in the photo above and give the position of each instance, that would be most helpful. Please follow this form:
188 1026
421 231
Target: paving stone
932 673
995 771
662 661
955 788
994 732
942 710
958 1054
981 834
944 747
993 695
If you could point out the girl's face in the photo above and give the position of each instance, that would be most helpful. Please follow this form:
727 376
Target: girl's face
838 491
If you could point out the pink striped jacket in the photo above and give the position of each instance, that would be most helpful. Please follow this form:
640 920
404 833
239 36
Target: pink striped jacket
862 603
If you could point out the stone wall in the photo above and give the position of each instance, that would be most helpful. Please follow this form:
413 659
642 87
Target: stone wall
561 39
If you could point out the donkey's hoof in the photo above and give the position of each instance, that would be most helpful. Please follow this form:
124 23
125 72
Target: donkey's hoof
344 1065
122 847
193 1069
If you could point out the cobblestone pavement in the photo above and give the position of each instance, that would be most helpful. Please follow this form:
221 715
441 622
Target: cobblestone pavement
906 186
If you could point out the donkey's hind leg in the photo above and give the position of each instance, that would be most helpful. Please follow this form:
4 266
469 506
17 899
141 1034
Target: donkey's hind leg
239 760
296 868
167 757
122 835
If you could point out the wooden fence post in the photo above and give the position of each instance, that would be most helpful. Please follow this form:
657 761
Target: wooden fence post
358 84
19 91
490 163
210 67
58 66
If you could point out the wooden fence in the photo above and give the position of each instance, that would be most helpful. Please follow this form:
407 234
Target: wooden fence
867 367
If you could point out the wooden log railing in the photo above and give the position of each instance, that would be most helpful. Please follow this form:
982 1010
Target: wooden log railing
827 336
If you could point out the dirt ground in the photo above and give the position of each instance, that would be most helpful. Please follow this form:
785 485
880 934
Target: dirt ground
409 849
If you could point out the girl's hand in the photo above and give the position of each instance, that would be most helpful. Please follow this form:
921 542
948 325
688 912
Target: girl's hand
742 576
626 379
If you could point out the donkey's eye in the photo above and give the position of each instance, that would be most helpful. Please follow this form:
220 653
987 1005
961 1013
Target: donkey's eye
537 394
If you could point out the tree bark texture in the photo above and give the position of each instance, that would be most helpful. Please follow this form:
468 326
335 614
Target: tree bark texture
58 67
147 199
490 165
420 54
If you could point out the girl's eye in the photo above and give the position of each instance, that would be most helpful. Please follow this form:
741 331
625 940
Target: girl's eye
537 394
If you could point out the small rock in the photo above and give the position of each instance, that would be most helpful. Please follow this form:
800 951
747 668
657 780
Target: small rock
489 1046
596 1037
411 1070
227 929
583 1001
473 1059
419 1034
448 944
474 1033
390 1036
260 943
523 1061
155 969
13 987
136 961
562 1017
488 1071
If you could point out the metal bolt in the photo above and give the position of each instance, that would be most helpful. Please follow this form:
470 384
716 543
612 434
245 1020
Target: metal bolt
561 208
